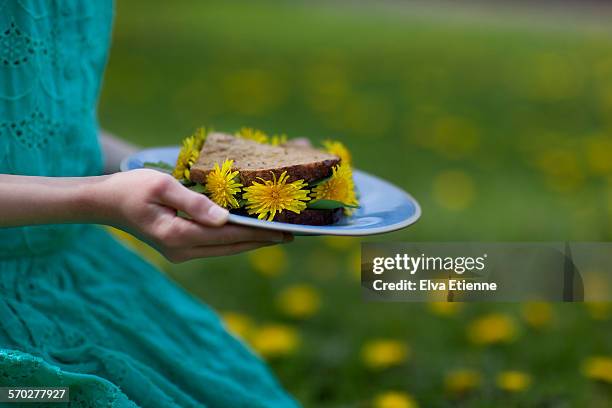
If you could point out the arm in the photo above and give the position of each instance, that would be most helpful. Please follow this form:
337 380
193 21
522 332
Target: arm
143 202
114 150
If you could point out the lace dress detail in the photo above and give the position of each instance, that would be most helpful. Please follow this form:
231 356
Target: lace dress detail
78 309
16 47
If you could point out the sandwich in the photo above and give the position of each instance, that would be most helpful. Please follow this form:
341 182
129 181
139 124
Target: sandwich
271 178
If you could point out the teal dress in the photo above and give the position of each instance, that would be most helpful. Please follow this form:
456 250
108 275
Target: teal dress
77 309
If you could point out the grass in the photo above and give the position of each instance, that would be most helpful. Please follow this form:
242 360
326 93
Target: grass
500 130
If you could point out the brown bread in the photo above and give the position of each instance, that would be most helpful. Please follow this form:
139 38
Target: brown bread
253 160
306 217
311 217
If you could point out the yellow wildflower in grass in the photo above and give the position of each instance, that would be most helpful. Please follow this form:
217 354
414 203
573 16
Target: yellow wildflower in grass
513 381
444 308
237 323
339 187
599 154
268 261
598 368
340 243
394 399
562 168
273 196
461 381
384 353
454 190
222 185
275 340
252 134
299 301
599 310
491 329
537 314
340 150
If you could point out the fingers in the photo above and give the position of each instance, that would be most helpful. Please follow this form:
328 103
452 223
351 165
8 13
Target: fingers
218 250
190 233
197 206
187 239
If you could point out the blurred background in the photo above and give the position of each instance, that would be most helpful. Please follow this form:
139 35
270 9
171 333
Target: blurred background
496 116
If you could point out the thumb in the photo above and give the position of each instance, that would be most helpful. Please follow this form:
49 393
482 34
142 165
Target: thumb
199 207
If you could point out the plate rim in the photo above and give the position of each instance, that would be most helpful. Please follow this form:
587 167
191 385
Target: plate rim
310 229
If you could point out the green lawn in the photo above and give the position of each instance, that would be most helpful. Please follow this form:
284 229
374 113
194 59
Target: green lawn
502 131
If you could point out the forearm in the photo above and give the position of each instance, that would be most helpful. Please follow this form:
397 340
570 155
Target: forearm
114 150
143 202
27 200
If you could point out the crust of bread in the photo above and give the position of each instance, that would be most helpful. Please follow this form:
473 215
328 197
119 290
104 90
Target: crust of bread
253 160
308 217
308 172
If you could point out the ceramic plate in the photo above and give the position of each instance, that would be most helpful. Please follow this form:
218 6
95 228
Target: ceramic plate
383 206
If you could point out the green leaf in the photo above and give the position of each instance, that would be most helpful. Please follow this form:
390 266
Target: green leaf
160 165
328 205
318 182
198 188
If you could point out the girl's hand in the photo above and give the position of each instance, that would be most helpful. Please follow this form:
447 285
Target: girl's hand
145 202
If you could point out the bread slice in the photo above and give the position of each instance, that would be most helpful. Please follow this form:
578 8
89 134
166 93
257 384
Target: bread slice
311 217
253 160
306 217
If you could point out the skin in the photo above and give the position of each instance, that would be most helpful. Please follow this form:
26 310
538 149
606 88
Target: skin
143 202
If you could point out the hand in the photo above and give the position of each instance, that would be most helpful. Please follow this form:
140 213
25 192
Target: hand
145 202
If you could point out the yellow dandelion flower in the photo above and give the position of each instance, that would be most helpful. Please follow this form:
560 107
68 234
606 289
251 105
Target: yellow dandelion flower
222 185
461 381
189 153
239 324
537 314
299 301
275 340
598 368
268 261
200 137
513 381
394 399
339 187
252 134
273 196
338 149
276 140
444 308
383 353
493 328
